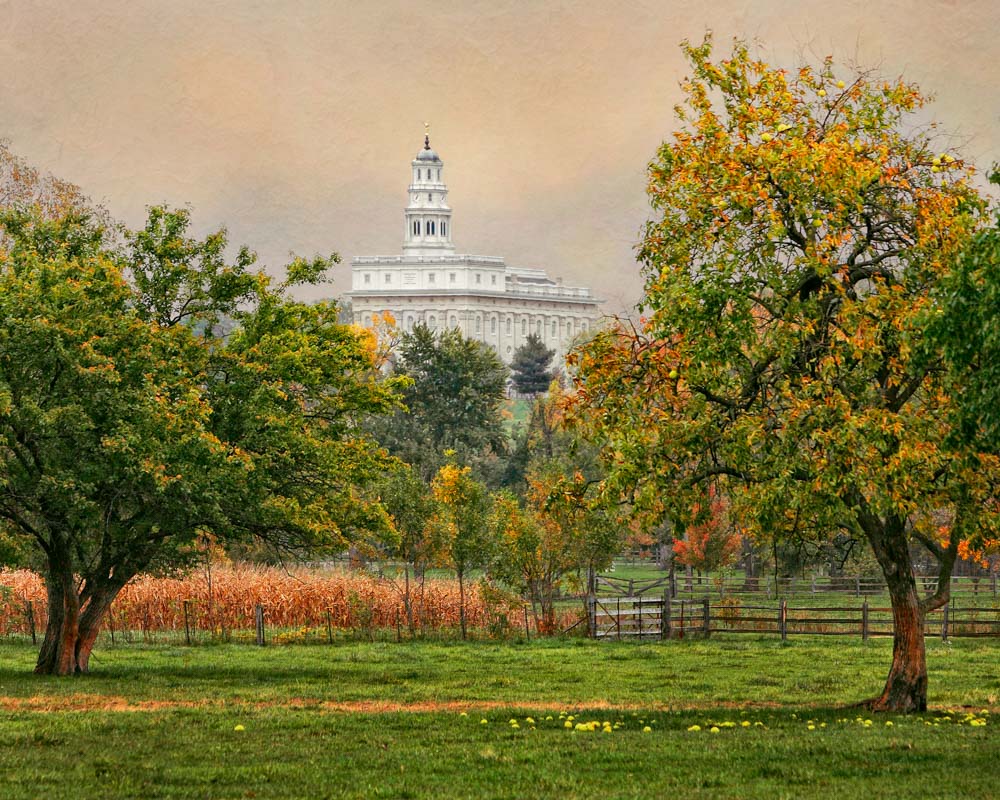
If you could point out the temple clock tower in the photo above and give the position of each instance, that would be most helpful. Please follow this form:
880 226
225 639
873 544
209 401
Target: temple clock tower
428 215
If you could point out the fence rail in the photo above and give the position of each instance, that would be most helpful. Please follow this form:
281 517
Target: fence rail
987 586
639 617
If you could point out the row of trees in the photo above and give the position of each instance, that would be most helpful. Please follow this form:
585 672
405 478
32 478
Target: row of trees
535 541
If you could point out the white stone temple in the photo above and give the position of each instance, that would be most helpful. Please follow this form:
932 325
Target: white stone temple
480 295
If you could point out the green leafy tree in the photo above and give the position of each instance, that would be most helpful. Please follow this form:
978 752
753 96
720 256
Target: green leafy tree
127 431
454 396
965 325
410 505
801 223
556 532
531 366
459 531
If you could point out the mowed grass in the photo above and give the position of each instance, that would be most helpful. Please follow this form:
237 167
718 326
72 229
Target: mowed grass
405 720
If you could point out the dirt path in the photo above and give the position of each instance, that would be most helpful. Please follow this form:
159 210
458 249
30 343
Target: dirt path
114 703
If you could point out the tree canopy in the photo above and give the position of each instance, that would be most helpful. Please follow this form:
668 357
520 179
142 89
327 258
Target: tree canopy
453 392
127 429
964 327
801 223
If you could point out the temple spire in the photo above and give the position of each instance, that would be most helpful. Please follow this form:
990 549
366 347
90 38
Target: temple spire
428 215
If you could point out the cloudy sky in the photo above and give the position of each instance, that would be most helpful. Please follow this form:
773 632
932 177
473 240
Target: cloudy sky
293 123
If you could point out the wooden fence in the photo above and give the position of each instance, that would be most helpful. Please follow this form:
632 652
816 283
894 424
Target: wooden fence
985 587
640 617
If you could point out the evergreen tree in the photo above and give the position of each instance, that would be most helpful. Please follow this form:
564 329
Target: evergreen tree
530 367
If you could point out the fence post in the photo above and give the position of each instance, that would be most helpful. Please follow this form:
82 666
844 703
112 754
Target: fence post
673 583
944 622
618 617
864 621
665 616
258 614
187 622
329 626
783 619
640 617
857 586
592 616
813 587
993 582
706 618
29 611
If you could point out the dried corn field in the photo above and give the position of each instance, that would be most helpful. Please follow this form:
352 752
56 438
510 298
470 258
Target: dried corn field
298 604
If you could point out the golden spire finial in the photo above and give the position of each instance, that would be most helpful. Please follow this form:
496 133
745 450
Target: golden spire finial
427 136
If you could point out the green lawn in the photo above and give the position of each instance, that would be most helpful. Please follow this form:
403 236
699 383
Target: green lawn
386 720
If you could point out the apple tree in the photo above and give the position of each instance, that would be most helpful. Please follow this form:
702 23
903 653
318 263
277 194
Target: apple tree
802 221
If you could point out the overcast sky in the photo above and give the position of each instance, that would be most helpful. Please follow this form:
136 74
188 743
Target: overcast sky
293 123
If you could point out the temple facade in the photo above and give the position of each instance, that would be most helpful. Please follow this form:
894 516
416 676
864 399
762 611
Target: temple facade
482 296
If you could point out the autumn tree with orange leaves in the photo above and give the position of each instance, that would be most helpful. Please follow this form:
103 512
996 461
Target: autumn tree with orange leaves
801 223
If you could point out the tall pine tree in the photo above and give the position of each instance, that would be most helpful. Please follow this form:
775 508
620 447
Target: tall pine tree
530 367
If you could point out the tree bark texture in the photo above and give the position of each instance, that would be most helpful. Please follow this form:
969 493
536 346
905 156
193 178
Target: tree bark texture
75 620
906 685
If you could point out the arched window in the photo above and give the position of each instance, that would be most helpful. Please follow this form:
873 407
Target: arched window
454 321
409 322
444 228
416 227
432 322
479 324
524 326
510 324
493 325
538 327
430 227
439 174
554 324
430 197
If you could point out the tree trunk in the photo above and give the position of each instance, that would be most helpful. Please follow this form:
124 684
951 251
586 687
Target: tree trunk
57 655
75 618
906 686
461 603
408 603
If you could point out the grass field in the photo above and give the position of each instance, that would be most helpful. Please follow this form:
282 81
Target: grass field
385 720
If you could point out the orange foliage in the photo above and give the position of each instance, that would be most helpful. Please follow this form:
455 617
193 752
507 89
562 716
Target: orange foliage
710 544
